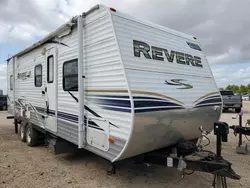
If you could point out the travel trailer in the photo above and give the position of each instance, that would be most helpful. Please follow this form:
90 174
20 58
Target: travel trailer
114 85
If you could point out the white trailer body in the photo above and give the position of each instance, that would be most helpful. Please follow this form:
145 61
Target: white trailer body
143 86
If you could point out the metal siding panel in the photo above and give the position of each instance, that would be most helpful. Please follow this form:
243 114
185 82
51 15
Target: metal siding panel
147 78
37 119
155 82
103 71
65 53
128 30
68 131
25 88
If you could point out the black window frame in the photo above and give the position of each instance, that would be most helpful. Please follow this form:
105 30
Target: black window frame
11 82
50 81
227 93
35 76
66 62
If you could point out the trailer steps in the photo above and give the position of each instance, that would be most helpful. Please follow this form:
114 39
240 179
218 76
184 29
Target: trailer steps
59 145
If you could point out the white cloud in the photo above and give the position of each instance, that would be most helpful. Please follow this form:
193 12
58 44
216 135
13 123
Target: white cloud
247 80
230 57
222 30
19 33
228 75
242 74
24 21
218 58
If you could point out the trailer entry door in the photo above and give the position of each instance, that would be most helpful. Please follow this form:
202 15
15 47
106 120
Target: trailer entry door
51 80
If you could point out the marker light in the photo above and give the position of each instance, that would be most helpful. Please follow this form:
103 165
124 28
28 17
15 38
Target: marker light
111 140
112 9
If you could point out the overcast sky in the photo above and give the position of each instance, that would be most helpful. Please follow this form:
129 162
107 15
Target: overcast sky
222 27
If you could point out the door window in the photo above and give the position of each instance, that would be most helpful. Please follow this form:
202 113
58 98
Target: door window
50 69
38 75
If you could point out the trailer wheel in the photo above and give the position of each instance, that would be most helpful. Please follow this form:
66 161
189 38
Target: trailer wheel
31 136
237 110
23 132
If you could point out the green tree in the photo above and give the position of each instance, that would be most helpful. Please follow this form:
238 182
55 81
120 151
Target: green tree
236 89
243 89
233 88
229 87
248 88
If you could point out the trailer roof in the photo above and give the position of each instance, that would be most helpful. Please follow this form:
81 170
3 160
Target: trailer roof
73 21
155 25
69 24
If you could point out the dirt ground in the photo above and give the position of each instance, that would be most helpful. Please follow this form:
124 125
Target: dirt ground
24 167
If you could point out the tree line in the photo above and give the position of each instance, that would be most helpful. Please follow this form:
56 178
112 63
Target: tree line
241 89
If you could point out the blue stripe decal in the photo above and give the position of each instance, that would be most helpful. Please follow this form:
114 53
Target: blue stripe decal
156 109
115 103
39 109
43 110
96 128
215 100
215 96
148 99
139 104
109 96
124 97
117 109
52 112
204 105
69 117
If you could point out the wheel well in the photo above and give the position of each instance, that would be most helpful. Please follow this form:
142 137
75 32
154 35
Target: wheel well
38 128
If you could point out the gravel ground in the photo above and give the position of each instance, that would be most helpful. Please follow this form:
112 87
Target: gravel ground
23 166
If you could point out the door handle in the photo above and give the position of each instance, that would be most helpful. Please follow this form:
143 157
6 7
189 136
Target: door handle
45 90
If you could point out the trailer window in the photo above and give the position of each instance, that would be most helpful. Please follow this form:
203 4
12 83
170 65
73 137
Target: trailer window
38 75
70 75
194 46
11 82
50 69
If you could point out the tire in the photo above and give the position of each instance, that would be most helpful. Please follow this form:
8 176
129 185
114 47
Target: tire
31 136
237 110
23 132
4 108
